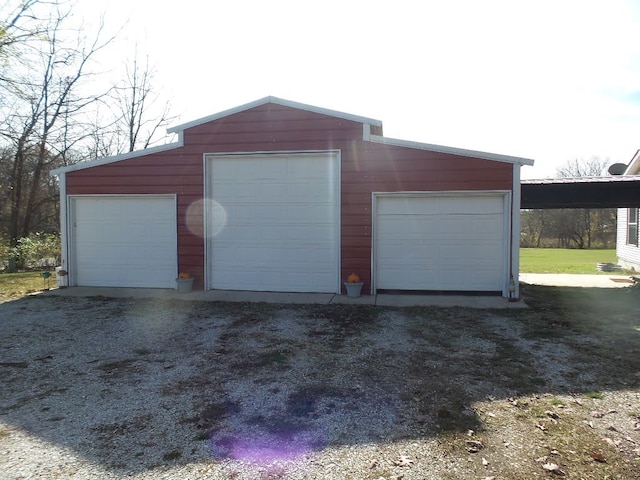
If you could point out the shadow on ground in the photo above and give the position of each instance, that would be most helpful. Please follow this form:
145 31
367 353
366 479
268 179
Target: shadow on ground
136 384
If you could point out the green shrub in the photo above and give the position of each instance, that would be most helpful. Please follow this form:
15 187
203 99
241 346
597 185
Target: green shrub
39 250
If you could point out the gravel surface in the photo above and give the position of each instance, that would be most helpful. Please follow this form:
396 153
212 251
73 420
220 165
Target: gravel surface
99 388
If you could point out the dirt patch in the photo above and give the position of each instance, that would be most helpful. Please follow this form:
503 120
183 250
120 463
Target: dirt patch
123 388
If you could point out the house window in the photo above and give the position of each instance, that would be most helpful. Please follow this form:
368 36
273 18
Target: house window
632 226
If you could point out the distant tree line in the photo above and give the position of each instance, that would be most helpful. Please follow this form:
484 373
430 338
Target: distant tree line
55 111
571 228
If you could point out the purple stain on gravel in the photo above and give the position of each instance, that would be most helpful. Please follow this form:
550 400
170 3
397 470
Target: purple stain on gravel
265 448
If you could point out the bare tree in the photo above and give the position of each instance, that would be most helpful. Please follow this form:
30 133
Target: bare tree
134 116
582 226
583 167
534 227
138 99
572 228
17 26
43 89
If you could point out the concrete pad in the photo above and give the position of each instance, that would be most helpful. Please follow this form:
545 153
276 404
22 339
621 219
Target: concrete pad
267 297
577 280
470 301
361 300
387 300
199 295
112 292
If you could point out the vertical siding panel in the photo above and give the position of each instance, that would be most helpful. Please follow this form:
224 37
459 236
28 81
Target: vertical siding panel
628 255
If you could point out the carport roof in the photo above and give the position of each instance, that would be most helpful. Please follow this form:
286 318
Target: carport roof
584 192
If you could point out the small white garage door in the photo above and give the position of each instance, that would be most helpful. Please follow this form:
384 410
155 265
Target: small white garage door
441 242
124 241
273 222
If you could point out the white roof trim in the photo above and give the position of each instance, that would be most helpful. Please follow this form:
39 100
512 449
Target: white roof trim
634 165
451 150
117 158
277 101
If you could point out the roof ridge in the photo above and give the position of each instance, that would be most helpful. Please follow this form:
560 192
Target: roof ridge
276 101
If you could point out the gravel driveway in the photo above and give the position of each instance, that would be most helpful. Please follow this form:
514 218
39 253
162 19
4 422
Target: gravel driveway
99 388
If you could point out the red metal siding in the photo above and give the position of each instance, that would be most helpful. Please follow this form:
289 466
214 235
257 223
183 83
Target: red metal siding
366 167
373 167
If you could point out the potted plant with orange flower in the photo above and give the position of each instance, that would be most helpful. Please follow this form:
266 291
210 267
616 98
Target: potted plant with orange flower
353 285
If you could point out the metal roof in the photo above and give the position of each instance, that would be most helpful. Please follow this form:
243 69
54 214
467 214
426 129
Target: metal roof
277 101
584 192
558 181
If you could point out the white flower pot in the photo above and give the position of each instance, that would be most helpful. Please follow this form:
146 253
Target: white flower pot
353 289
184 285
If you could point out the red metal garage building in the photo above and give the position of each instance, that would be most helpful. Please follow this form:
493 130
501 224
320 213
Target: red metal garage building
280 196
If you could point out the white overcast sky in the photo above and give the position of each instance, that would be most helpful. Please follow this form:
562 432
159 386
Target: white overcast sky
548 80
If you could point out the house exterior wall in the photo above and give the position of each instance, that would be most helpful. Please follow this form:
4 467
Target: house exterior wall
628 255
366 167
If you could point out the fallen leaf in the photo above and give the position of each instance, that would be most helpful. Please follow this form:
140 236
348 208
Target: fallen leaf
553 467
474 446
598 457
611 442
403 461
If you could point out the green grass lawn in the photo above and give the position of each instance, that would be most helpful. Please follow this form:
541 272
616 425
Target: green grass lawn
15 285
560 260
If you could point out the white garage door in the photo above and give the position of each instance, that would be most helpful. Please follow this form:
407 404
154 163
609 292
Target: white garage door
273 222
441 242
124 241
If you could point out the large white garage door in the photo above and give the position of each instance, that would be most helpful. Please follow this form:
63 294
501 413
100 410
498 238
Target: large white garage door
441 242
273 222
126 241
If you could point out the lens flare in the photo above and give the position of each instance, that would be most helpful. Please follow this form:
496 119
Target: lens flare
195 218
266 447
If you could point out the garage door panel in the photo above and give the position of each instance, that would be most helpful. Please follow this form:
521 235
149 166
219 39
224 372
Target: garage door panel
309 170
440 242
124 241
477 205
309 192
441 206
282 222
